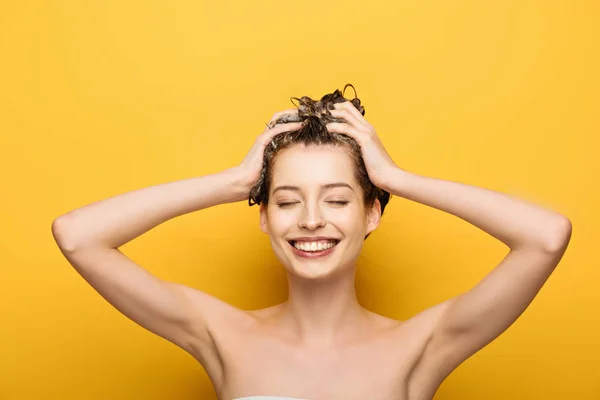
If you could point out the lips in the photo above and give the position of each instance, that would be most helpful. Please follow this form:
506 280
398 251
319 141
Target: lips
313 254
312 239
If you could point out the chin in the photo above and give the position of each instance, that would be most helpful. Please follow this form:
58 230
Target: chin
317 271
311 272
304 266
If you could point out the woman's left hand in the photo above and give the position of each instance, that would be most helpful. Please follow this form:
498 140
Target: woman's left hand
380 166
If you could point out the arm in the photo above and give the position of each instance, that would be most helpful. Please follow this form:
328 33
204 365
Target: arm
537 239
117 220
89 238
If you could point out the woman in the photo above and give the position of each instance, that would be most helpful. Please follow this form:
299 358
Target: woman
322 178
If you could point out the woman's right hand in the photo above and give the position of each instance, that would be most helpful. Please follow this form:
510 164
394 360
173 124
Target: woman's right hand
251 166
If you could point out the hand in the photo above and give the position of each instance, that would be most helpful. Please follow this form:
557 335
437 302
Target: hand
379 164
251 166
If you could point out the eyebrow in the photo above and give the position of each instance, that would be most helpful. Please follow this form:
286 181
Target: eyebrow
326 186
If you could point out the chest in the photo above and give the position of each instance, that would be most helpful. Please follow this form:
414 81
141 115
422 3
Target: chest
378 369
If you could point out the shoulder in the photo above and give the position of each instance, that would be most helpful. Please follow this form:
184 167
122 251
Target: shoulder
429 370
211 320
264 313
215 326
382 323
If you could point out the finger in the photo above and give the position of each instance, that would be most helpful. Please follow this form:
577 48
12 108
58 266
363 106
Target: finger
349 107
280 113
268 134
347 116
354 133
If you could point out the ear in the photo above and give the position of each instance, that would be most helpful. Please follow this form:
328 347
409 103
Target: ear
373 216
263 218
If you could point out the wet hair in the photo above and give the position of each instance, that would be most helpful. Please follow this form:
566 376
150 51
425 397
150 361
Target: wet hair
316 115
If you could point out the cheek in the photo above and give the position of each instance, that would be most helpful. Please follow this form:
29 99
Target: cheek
349 221
281 221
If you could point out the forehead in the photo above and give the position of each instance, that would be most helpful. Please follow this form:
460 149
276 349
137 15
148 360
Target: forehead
302 165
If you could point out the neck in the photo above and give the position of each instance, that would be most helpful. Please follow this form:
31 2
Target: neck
324 313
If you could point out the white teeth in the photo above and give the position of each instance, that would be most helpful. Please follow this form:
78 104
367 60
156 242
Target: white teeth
314 246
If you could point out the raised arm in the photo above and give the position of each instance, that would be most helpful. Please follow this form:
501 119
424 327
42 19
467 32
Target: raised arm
537 238
89 237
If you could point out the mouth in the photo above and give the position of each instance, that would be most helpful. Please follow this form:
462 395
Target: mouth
315 249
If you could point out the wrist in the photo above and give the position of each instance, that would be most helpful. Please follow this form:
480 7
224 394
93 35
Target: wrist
239 183
399 182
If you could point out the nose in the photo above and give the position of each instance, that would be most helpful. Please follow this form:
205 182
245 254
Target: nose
311 217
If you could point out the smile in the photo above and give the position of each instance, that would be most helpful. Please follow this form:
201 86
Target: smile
316 249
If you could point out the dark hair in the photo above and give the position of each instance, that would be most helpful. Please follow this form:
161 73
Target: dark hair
316 115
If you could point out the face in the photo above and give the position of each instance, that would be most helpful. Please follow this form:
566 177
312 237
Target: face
315 202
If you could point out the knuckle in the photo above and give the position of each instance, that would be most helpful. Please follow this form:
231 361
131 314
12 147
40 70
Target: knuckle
288 111
343 107
341 113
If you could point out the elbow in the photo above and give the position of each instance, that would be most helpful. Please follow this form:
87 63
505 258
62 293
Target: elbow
62 235
560 236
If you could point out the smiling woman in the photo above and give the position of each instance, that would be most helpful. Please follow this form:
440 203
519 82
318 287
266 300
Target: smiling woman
317 210
322 179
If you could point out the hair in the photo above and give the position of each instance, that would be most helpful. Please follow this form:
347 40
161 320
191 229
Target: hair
316 115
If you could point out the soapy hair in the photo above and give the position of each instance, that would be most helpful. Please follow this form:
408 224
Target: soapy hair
316 115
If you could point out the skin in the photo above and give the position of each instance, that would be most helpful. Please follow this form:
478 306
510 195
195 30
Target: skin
322 307
331 347
320 344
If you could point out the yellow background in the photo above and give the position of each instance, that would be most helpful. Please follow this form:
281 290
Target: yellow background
102 97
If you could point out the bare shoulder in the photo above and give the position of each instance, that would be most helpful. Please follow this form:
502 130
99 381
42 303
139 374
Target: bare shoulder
211 318
212 315
264 313
428 371
420 325
381 323
411 336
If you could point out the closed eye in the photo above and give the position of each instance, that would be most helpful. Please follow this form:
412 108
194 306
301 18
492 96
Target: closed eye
283 205
339 203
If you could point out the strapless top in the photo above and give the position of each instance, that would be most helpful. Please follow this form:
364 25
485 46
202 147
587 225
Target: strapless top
268 398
